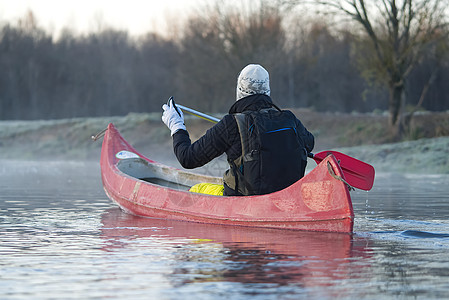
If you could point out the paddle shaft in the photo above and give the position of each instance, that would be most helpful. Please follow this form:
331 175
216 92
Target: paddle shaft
198 114
191 111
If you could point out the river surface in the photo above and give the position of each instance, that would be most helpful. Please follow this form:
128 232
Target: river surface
62 238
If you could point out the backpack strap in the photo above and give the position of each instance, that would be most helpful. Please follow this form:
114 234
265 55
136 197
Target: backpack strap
275 106
244 138
243 130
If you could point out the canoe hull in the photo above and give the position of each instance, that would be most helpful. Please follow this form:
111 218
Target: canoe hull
317 202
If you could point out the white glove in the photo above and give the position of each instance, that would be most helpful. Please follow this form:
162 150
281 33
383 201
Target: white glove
172 119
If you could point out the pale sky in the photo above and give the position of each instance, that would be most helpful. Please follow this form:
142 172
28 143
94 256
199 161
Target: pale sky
135 16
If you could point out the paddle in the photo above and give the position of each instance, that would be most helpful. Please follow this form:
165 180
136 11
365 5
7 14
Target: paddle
357 173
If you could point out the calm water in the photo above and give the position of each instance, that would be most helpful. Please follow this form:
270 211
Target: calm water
61 238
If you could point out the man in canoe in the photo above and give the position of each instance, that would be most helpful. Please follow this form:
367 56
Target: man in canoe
266 147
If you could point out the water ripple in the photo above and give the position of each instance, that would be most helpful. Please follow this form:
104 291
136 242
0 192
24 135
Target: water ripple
68 241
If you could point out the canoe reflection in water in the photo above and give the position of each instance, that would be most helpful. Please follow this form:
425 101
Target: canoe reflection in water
214 253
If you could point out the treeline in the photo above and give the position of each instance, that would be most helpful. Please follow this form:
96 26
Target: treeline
111 73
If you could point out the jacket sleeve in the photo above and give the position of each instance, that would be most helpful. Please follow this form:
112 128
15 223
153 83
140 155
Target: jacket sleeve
306 136
211 145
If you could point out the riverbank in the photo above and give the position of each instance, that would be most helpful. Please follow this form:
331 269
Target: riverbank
359 135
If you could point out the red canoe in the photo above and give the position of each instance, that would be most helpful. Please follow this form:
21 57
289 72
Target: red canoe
143 187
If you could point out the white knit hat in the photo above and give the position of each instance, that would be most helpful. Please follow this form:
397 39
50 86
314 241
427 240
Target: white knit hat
253 79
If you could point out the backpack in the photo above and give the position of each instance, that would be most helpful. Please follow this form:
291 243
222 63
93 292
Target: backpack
273 155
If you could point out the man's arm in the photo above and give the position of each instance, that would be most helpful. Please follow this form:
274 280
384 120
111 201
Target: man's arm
211 145
307 137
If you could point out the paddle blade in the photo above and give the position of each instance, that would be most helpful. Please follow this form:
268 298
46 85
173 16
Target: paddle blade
357 173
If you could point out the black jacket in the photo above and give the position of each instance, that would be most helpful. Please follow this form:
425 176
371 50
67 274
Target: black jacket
224 137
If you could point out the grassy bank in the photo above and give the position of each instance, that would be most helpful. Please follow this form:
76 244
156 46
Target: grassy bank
363 136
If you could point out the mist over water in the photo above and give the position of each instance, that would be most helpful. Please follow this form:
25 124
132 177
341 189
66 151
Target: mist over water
61 237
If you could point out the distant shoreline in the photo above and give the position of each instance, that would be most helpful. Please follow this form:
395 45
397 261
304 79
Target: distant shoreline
70 139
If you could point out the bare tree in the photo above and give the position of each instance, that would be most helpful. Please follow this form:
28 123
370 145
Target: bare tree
397 34
310 60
